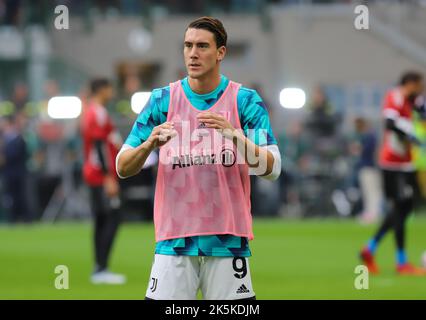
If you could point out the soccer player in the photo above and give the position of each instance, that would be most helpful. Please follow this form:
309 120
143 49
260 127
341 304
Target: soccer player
398 171
202 201
101 144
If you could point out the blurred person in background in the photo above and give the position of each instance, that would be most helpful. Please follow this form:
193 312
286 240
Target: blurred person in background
367 174
20 96
12 12
396 162
101 142
322 119
47 152
293 147
14 168
2 11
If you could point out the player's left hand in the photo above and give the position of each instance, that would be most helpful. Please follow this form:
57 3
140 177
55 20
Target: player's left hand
217 121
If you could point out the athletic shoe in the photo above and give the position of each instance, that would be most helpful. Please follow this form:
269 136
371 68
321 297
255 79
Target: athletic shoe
368 260
106 277
409 269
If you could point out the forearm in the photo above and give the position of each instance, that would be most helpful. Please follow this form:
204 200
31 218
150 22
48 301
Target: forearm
256 157
403 134
131 161
100 152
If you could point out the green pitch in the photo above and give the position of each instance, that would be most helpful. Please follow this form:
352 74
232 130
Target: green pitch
312 259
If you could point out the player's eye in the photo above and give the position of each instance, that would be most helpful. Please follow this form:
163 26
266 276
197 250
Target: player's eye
187 45
203 45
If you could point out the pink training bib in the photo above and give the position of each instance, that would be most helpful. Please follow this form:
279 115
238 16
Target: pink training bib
203 187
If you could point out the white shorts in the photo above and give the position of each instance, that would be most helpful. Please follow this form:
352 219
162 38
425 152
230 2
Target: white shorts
218 278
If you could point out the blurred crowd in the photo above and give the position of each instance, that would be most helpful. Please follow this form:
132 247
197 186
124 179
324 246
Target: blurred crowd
36 152
19 12
329 163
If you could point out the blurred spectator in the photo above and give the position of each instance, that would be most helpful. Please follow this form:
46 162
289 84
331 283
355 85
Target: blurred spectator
48 155
12 12
2 11
20 96
106 6
190 6
369 179
322 119
325 155
132 84
14 169
129 7
293 147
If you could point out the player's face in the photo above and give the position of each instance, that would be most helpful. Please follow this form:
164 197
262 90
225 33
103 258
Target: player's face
420 87
201 54
108 93
414 89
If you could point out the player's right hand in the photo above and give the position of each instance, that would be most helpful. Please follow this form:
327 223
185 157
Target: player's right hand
161 134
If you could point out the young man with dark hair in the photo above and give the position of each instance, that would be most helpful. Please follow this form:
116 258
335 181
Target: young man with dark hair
101 143
397 167
206 127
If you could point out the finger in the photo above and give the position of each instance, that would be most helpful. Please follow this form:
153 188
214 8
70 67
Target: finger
164 138
214 126
166 134
167 126
167 131
166 123
158 129
216 122
209 115
204 119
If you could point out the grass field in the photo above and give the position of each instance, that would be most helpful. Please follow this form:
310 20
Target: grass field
312 259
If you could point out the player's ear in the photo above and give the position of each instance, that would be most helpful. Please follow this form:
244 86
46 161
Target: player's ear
221 52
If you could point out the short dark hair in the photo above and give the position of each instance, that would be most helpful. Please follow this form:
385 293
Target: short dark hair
213 25
410 76
98 84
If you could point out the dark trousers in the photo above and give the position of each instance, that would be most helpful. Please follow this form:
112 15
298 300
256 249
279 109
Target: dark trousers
16 199
400 189
106 222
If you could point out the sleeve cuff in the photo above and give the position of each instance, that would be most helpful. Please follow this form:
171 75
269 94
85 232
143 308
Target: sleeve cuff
276 169
123 148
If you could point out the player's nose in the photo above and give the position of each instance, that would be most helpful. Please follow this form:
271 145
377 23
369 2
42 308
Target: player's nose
193 54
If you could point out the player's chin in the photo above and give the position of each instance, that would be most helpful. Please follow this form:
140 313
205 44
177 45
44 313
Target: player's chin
195 74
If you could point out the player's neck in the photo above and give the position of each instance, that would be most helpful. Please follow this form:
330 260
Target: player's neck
204 85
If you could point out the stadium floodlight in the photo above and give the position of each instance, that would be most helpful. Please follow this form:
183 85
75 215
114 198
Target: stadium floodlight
139 100
292 98
64 107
